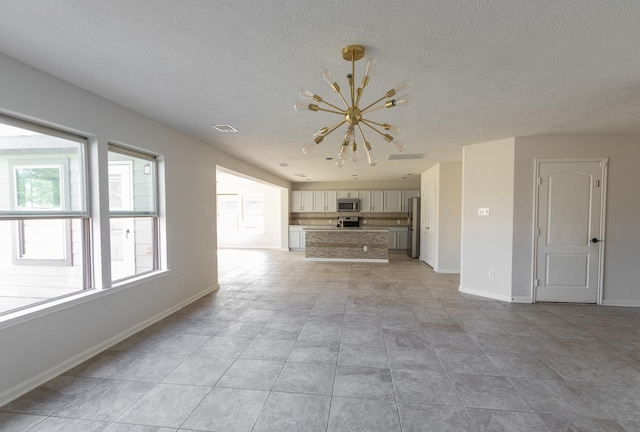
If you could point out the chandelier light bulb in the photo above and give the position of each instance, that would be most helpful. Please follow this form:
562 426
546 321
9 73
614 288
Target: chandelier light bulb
354 151
371 158
348 137
403 85
306 94
399 145
343 151
403 100
328 77
371 63
393 129
301 106
340 163
308 148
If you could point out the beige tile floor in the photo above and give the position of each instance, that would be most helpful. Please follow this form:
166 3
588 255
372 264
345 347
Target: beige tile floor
287 345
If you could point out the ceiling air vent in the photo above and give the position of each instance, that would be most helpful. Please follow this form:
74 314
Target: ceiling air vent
224 128
406 156
283 164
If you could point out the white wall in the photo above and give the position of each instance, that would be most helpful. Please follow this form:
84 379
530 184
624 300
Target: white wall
449 216
270 237
447 177
487 241
621 285
39 346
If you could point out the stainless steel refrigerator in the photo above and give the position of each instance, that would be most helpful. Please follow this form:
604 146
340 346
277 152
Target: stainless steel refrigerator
413 239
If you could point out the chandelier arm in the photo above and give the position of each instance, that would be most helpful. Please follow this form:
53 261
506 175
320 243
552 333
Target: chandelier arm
359 95
361 133
375 123
332 105
374 129
372 104
368 110
334 127
332 111
346 104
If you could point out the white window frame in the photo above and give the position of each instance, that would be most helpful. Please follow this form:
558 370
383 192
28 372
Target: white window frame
20 257
20 216
153 214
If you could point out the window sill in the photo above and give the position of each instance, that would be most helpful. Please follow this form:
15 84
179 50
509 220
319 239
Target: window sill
73 300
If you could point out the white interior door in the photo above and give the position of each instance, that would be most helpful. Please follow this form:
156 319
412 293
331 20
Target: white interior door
428 224
570 229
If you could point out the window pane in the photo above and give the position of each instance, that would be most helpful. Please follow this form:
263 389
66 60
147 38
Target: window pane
253 212
44 239
37 271
38 187
132 246
40 172
131 184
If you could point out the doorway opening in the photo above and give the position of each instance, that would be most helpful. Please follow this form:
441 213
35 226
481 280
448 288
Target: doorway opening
249 212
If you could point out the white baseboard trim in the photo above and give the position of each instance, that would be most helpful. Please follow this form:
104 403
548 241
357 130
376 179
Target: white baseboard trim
249 247
449 271
485 294
357 260
621 303
36 381
521 299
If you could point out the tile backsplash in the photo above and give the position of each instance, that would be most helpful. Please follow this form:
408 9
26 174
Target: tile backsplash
365 219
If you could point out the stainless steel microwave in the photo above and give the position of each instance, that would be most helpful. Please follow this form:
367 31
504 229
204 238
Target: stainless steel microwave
348 204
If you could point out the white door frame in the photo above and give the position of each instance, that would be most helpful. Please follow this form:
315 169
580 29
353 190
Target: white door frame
604 163
429 243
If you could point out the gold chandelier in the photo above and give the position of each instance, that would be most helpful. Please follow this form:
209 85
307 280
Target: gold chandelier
352 114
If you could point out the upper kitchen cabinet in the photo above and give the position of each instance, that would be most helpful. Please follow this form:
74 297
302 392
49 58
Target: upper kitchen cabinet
393 201
302 201
406 194
348 194
324 201
372 201
396 200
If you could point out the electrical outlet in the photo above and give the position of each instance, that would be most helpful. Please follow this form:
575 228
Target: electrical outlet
181 280
364 221
365 248
492 274
398 221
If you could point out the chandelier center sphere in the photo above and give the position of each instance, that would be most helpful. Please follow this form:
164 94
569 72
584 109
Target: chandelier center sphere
353 116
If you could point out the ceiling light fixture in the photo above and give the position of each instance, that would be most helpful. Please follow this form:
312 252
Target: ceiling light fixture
352 114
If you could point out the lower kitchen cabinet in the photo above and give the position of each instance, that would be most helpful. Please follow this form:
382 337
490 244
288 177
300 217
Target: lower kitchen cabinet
296 238
397 238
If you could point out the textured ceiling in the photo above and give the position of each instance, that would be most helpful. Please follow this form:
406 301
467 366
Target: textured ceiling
479 70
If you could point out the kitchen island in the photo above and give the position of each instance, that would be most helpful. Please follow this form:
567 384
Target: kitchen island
346 244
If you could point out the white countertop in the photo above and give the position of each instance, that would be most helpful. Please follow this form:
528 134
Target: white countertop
320 228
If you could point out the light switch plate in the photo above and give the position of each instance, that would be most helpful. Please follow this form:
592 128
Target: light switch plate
483 211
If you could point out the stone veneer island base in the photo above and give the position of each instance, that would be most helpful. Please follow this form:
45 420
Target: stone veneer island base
346 244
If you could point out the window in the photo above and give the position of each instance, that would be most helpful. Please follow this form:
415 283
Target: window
133 210
43 214
241 212
252 212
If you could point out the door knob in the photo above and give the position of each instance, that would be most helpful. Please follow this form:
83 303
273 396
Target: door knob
595 240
